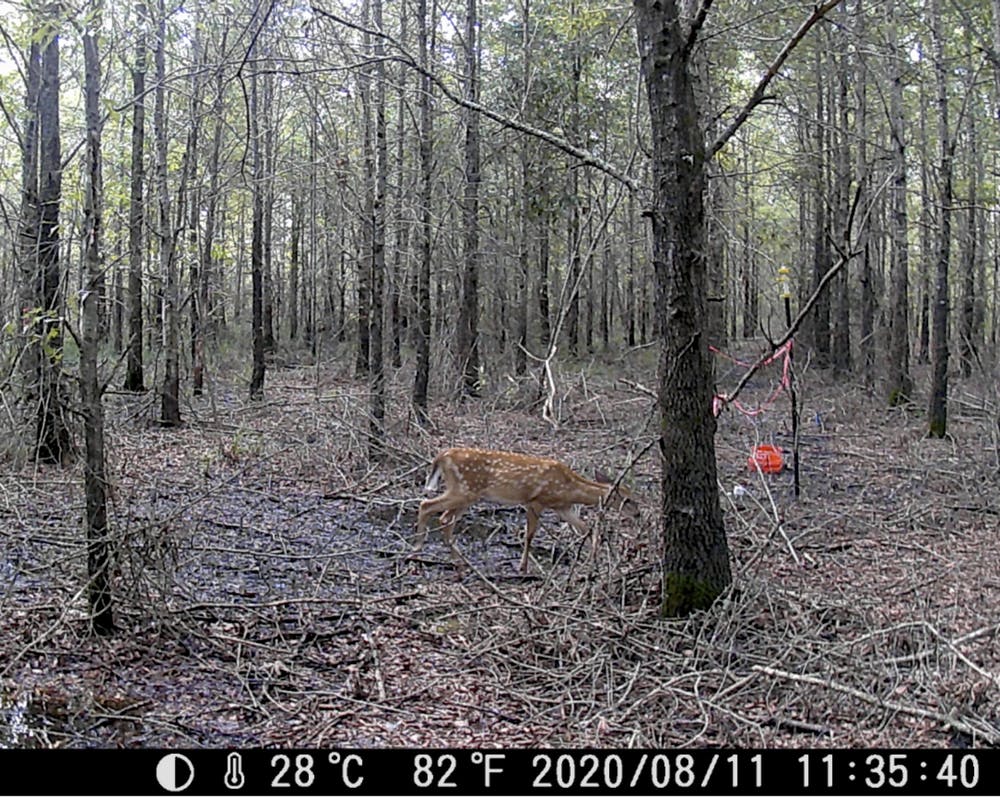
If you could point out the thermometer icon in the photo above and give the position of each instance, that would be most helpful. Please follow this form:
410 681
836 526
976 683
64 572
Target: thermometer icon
234 771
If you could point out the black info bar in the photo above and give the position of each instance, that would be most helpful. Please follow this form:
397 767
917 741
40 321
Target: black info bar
499 771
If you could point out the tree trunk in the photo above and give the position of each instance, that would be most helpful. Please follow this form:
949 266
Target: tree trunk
205 314
170 408
820 321
631 306
293 266
136 215
544 244
841 342
468 317
309 282
422 332
52 439
526 200
195 278
257 244
748 270
366 209
968 334
696 553
376 447
31 359
570 305
938 405
927 256
99 548
607 275
397 310
269 317
866 341
898 384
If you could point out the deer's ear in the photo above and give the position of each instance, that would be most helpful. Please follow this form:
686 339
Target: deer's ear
601 477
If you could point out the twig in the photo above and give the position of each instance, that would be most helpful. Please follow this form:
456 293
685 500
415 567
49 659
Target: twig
772 71
827 278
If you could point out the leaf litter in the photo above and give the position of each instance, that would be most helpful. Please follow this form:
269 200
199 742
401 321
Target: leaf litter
266 595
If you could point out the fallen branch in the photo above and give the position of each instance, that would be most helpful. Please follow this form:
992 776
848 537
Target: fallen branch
988 733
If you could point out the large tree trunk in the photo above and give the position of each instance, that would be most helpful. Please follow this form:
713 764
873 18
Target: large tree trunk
52 440
696 553
31 358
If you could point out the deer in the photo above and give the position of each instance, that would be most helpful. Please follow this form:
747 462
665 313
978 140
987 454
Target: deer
536 483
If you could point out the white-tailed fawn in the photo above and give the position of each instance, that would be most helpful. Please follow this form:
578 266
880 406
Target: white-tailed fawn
536 483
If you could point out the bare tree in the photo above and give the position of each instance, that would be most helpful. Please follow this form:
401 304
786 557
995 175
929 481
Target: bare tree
52 437
377 320
366 203
525 232
819 323
99 548
696 554
204 310
257 188
31 358
468 316
938 406
840 348
866 336
970 324
899 384
170 408
136 214
422 333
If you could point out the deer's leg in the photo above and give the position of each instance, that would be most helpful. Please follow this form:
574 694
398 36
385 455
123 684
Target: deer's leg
448 520
429 508
450 510
529 533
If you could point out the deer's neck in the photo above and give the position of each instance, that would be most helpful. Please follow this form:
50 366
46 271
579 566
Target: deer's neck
590 493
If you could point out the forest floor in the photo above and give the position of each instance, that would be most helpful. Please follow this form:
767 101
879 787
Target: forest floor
265 595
